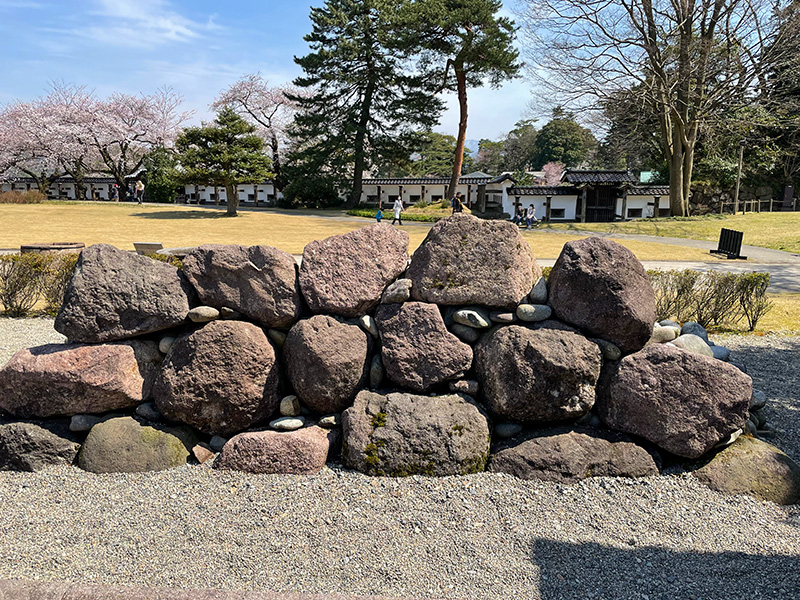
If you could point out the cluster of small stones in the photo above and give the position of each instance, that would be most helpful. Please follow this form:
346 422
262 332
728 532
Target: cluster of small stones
457 360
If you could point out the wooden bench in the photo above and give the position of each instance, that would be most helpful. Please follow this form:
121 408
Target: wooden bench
730 244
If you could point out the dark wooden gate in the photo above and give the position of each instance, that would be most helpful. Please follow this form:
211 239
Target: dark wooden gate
601 204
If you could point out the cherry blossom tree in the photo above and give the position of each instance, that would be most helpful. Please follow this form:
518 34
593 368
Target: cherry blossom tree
553 172
126 127
268 108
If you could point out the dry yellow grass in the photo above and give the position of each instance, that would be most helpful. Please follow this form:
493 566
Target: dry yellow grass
784 316
123 224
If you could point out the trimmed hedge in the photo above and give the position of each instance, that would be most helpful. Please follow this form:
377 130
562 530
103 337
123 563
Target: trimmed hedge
30 197
370 214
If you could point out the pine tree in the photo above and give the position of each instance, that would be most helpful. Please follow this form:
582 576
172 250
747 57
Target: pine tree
225 153
462 44
362 105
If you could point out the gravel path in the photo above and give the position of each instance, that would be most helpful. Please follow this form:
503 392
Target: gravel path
480 536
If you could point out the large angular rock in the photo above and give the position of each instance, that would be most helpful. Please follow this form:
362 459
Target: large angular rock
466 260
123 445
418 352
569 456
300 452
750 466
543 374
114 294
68 379
28 447
258 281
220 379
327 362
680 401
346 274
600 287
402 434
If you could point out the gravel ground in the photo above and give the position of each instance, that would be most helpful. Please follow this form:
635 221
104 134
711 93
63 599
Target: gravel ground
480 536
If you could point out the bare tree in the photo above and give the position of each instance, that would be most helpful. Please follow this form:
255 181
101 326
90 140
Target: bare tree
682 60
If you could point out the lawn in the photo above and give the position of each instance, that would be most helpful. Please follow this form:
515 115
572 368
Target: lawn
174 226
777 230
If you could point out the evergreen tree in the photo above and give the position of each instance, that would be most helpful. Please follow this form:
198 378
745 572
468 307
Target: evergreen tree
462 44
361 105
563 140
226 153
161 177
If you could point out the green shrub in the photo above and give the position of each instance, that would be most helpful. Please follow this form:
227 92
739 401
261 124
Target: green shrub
57 273
711 298
20 282
751 293
370 214
30 197
421 203
166 258
445 204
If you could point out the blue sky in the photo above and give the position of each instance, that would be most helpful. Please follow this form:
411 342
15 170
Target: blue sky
198 47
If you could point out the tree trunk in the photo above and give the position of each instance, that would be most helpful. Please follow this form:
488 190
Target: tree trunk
277 181
361 136
233 199
458 161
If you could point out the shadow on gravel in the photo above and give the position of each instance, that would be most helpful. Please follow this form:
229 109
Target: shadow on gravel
776 371
593 571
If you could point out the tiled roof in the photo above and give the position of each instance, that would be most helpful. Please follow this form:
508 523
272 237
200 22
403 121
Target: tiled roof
425 181
599 177
649 190
543 190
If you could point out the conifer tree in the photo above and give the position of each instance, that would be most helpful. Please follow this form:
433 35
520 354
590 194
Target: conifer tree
361 104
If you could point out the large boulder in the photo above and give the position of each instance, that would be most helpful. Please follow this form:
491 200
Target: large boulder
680 401
123 445
346 274
402 434
258 281
418 352
220 379
327 362
300 452
68 379
600 287
750 466
543 374
569 456
466 260
28 447
114 294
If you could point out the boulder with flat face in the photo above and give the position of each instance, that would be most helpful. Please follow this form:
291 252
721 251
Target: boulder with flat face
570 456
750 466
601 288
327 362
537 374
114 294
346 274
221 378
300 452
465 260
418 352
68 379
400 434
683 402
260 282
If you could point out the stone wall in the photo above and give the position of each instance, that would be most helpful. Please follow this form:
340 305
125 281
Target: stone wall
458 360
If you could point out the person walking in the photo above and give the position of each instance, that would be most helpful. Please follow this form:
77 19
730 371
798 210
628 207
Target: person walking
398 209
139 191
115 192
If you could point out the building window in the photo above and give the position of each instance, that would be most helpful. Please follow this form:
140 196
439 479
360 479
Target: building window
557 213
372 199
251 197
634 213
436 198
663 212
414 199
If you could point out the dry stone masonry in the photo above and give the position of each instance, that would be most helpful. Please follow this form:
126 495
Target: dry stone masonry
459 360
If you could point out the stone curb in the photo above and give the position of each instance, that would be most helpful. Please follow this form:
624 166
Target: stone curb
17 589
